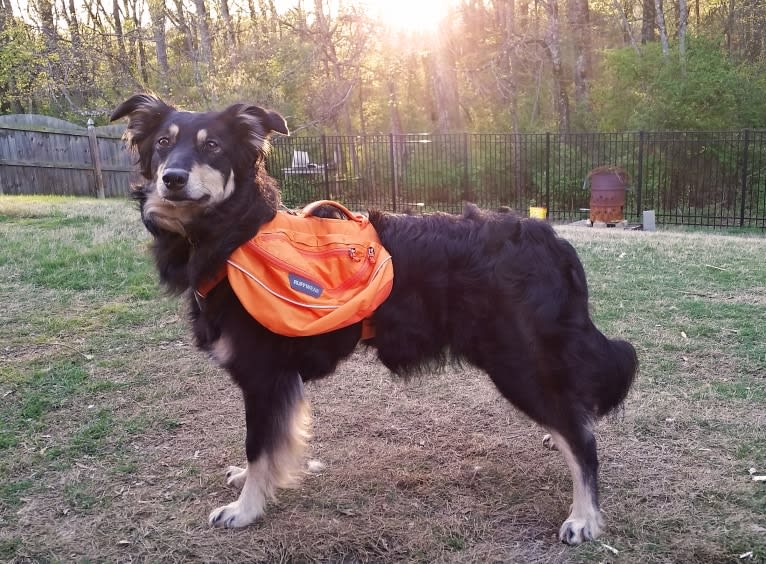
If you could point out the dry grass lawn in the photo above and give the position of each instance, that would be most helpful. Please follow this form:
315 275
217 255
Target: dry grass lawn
115 432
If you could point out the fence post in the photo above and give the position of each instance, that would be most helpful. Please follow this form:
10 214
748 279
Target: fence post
466 179
744 178
548 172
96 158
328 195
640 175
394 179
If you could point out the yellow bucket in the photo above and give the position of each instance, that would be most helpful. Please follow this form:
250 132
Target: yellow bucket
538 213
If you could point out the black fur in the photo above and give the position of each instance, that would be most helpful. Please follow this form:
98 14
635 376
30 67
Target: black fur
502 293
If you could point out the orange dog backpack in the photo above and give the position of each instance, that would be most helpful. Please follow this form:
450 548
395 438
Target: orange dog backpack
304 275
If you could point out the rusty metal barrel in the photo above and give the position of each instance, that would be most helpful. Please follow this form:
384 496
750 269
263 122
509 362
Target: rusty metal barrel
607 194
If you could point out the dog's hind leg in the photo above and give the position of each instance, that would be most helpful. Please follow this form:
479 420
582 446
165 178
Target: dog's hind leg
571 434
277 419
585 521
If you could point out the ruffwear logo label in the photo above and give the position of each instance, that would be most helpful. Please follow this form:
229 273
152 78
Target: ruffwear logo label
304 286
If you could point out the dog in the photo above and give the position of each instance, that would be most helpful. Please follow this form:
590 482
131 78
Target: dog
503 293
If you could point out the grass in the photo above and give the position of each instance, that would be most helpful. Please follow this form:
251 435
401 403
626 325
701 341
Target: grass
115 431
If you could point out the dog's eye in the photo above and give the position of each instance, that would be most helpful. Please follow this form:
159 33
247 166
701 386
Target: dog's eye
210 144
163 141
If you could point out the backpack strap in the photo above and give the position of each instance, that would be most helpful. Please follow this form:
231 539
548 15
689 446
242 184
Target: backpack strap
207 285
309 210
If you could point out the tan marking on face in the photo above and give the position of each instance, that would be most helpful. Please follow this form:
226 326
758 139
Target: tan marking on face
229 188
201 136
173 132
204 180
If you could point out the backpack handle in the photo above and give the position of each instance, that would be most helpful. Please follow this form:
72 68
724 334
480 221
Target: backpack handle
309 210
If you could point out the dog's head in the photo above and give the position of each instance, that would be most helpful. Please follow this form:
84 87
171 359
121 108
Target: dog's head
193 161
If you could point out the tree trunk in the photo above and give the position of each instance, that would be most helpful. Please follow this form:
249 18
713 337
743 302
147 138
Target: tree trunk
553 44
185 30
579 25
730 26
70 15
205 45
661 27
191 52
332 64
79 57
648 22
442 75
137 40
682 20
157 15
627 30
119 36
507 20
251 11
44 10
231 38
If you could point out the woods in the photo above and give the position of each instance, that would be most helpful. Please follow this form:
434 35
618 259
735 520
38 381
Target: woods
336 67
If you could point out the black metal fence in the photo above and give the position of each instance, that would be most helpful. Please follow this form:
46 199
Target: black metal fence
687 178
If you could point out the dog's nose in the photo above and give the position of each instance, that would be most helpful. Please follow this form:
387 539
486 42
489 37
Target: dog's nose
175 178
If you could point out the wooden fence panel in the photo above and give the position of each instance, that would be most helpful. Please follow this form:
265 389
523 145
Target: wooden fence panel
117 163
44 155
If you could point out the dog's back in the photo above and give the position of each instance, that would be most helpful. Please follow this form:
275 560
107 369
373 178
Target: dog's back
496 290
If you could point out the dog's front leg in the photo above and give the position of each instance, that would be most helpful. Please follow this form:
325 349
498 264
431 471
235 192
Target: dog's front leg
585 521
277 420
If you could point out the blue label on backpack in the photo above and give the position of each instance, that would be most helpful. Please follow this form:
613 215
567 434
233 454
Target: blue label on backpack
304 286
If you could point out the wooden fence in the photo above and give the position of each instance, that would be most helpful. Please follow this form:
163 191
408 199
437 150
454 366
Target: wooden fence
45 155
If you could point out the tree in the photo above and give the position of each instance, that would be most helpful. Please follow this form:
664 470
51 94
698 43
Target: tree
157 16
579 24
648 22
661 27
553 48
231 38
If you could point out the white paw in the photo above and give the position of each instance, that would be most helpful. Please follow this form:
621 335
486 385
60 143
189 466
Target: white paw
577 530
549 443
236 476
233 515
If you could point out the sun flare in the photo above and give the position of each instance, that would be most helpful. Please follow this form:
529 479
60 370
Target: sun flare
408 15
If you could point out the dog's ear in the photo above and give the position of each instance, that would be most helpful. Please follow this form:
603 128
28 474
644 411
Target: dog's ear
270 119
256 124
145 114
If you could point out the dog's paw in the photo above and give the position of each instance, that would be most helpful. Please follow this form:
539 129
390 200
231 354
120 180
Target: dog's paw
236 476
575 530
234 515
548 442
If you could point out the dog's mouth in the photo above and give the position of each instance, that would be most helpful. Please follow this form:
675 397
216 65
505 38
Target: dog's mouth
181 199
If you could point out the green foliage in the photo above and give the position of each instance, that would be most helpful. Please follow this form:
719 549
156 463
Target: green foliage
709 91
344 73
22 64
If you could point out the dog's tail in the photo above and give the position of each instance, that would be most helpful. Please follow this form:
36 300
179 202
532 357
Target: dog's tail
615 376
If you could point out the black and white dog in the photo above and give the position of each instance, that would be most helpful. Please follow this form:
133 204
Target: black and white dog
505 294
